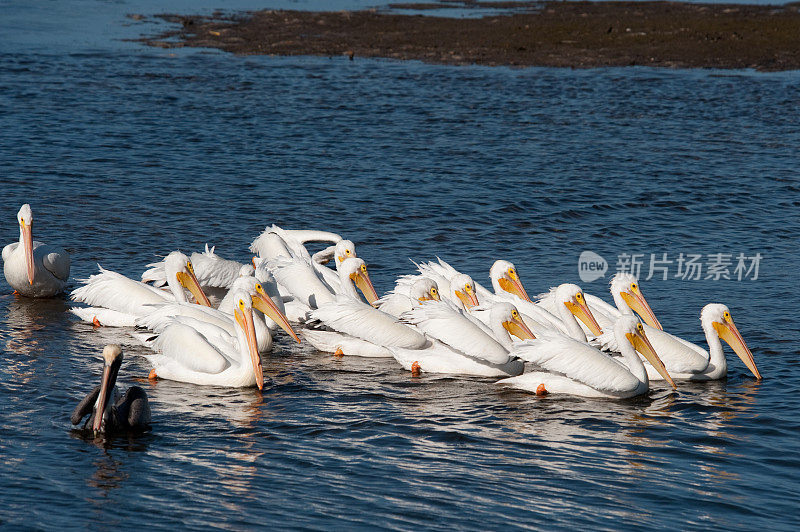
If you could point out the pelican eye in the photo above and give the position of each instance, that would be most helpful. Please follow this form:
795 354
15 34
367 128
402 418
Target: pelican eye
633 286
467 288
241 304
347 252
727 315
579 297
639 327
258 287
514 313
364 268
434 291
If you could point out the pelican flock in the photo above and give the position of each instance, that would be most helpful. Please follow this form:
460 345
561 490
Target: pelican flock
209 321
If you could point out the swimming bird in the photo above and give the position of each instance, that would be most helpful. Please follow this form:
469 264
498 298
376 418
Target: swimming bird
276 242
199 352
566 302
628 298
215 274
111 413
32 268
569 366
118 301
460 344
355 328
308 289
266 315
462 292
687 361
507 288
396 302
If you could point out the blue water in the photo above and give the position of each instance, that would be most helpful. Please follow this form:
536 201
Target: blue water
127 152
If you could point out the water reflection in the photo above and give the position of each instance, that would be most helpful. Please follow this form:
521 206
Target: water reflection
26 319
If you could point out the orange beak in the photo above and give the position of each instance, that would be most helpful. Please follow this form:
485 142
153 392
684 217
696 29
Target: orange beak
582 312
728 332
469 299
262 302
362 281
638 304
245 320
190 282
518 328
513 285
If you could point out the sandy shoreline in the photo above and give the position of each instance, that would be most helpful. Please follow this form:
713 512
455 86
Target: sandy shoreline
560 34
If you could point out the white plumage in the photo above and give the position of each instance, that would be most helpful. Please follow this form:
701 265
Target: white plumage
574 367
32 268
199 352
130 299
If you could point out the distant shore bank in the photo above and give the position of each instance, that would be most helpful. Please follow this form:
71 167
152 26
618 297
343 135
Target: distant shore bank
557 34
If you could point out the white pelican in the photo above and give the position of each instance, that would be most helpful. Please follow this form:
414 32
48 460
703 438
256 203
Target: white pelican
276 242
118 300
444 276
508 288
684 360
310 291
576 368
343 250
688 361
628 299
462 345
362 330
395 302
266 314
566 302
215 274
109 412
201 353
359 329
32 268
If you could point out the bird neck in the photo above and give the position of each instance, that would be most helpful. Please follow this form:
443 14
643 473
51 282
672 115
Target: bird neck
622 306
715 352
570 322
498 290
176 288
501 334
263 334
244 353
346 286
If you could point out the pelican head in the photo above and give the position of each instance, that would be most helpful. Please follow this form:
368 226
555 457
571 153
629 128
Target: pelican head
112 360
25 219
178 266
508 316
625 287
572 297
345 249
629 326
717 320
425 290
243 315
504 277
463 288
355 270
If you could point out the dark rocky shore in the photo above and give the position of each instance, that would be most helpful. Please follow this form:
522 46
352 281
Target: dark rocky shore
560 34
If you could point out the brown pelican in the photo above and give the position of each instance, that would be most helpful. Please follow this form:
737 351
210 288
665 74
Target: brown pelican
109 412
